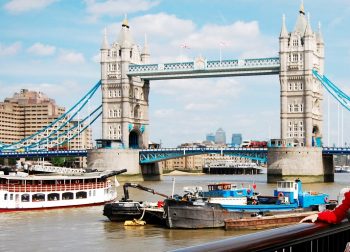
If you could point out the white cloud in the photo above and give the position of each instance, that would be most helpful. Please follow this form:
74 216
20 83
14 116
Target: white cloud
71 57
11 49
41 49
18 6
117 7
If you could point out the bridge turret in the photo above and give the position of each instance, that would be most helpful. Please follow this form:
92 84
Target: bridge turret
125 98
145 55
105 48
301 94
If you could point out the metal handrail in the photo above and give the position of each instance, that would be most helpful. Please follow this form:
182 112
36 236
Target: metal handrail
308 237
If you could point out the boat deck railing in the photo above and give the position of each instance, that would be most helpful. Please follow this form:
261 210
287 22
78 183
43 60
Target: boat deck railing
52 188
303 237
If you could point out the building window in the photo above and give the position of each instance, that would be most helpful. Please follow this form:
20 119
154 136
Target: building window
295 42
301 86
119 114
301 123
295 86
301 108
110 113
130 54
120 53
290 86
295 57
296 108
119 93
110 93
290 107
115 114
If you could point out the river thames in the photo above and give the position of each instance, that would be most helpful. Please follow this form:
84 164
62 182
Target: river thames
86 229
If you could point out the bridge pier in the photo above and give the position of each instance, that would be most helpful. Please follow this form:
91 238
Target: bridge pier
151 171
306 163
117 159
114 159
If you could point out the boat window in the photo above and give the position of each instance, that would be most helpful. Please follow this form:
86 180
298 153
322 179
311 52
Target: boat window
5 196
81 195
89 193
94 192
67 196
11 196
25 198
38 197
53 196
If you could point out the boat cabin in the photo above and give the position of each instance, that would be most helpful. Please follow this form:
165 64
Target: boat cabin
227 190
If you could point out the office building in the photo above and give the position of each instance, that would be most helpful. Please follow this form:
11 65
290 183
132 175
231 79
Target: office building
210 137
220 136
27 112
236 140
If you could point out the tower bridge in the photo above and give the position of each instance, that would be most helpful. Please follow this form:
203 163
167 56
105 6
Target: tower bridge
126 75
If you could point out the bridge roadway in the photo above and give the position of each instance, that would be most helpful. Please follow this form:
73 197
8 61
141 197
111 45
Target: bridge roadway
156 155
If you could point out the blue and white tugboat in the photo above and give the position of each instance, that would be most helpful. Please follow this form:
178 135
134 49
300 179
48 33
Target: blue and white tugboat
210 209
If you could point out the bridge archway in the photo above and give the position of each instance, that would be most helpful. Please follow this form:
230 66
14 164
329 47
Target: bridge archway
316 136
134 139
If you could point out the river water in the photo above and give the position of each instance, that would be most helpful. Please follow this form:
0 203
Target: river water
86 229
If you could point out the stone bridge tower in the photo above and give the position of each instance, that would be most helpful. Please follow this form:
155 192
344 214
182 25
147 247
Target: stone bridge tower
124 98
298 154
301 93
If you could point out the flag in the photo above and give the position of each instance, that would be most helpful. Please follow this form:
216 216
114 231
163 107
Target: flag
254 185
184 45
222 43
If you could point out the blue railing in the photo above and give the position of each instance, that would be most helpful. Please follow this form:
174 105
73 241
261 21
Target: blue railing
200 67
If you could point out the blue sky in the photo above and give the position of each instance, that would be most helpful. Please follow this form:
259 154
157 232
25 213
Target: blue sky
53 46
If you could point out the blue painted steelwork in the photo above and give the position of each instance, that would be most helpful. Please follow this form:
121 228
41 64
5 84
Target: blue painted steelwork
156 155
50 133
338 94
259 154
336 150
36 154
201 68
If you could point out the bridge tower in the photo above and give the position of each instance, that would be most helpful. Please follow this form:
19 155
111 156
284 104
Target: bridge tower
301 93
300 155
124 98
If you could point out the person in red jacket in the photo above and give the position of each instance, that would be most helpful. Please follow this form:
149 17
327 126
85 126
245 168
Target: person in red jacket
335 216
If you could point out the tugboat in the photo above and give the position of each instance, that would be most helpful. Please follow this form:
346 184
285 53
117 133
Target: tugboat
200 212
127 209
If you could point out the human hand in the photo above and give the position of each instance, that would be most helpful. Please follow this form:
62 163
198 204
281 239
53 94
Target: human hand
311 218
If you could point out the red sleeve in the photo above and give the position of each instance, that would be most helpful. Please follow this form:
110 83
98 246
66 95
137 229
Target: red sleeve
338 214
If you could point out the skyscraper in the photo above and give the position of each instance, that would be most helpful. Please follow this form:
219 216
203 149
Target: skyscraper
210 137
236 139
220 136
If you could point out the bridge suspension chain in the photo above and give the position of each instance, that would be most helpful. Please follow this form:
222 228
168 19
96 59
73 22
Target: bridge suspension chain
336 92
52 135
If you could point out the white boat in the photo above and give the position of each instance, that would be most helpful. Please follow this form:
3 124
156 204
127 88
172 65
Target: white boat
20 191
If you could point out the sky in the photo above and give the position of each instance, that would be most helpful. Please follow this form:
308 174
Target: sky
53 46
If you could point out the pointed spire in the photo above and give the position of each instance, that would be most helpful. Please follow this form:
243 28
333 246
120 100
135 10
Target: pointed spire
105 44
145 46
319 35
308 26
125 39
301 23
125 21
284 32
302 9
